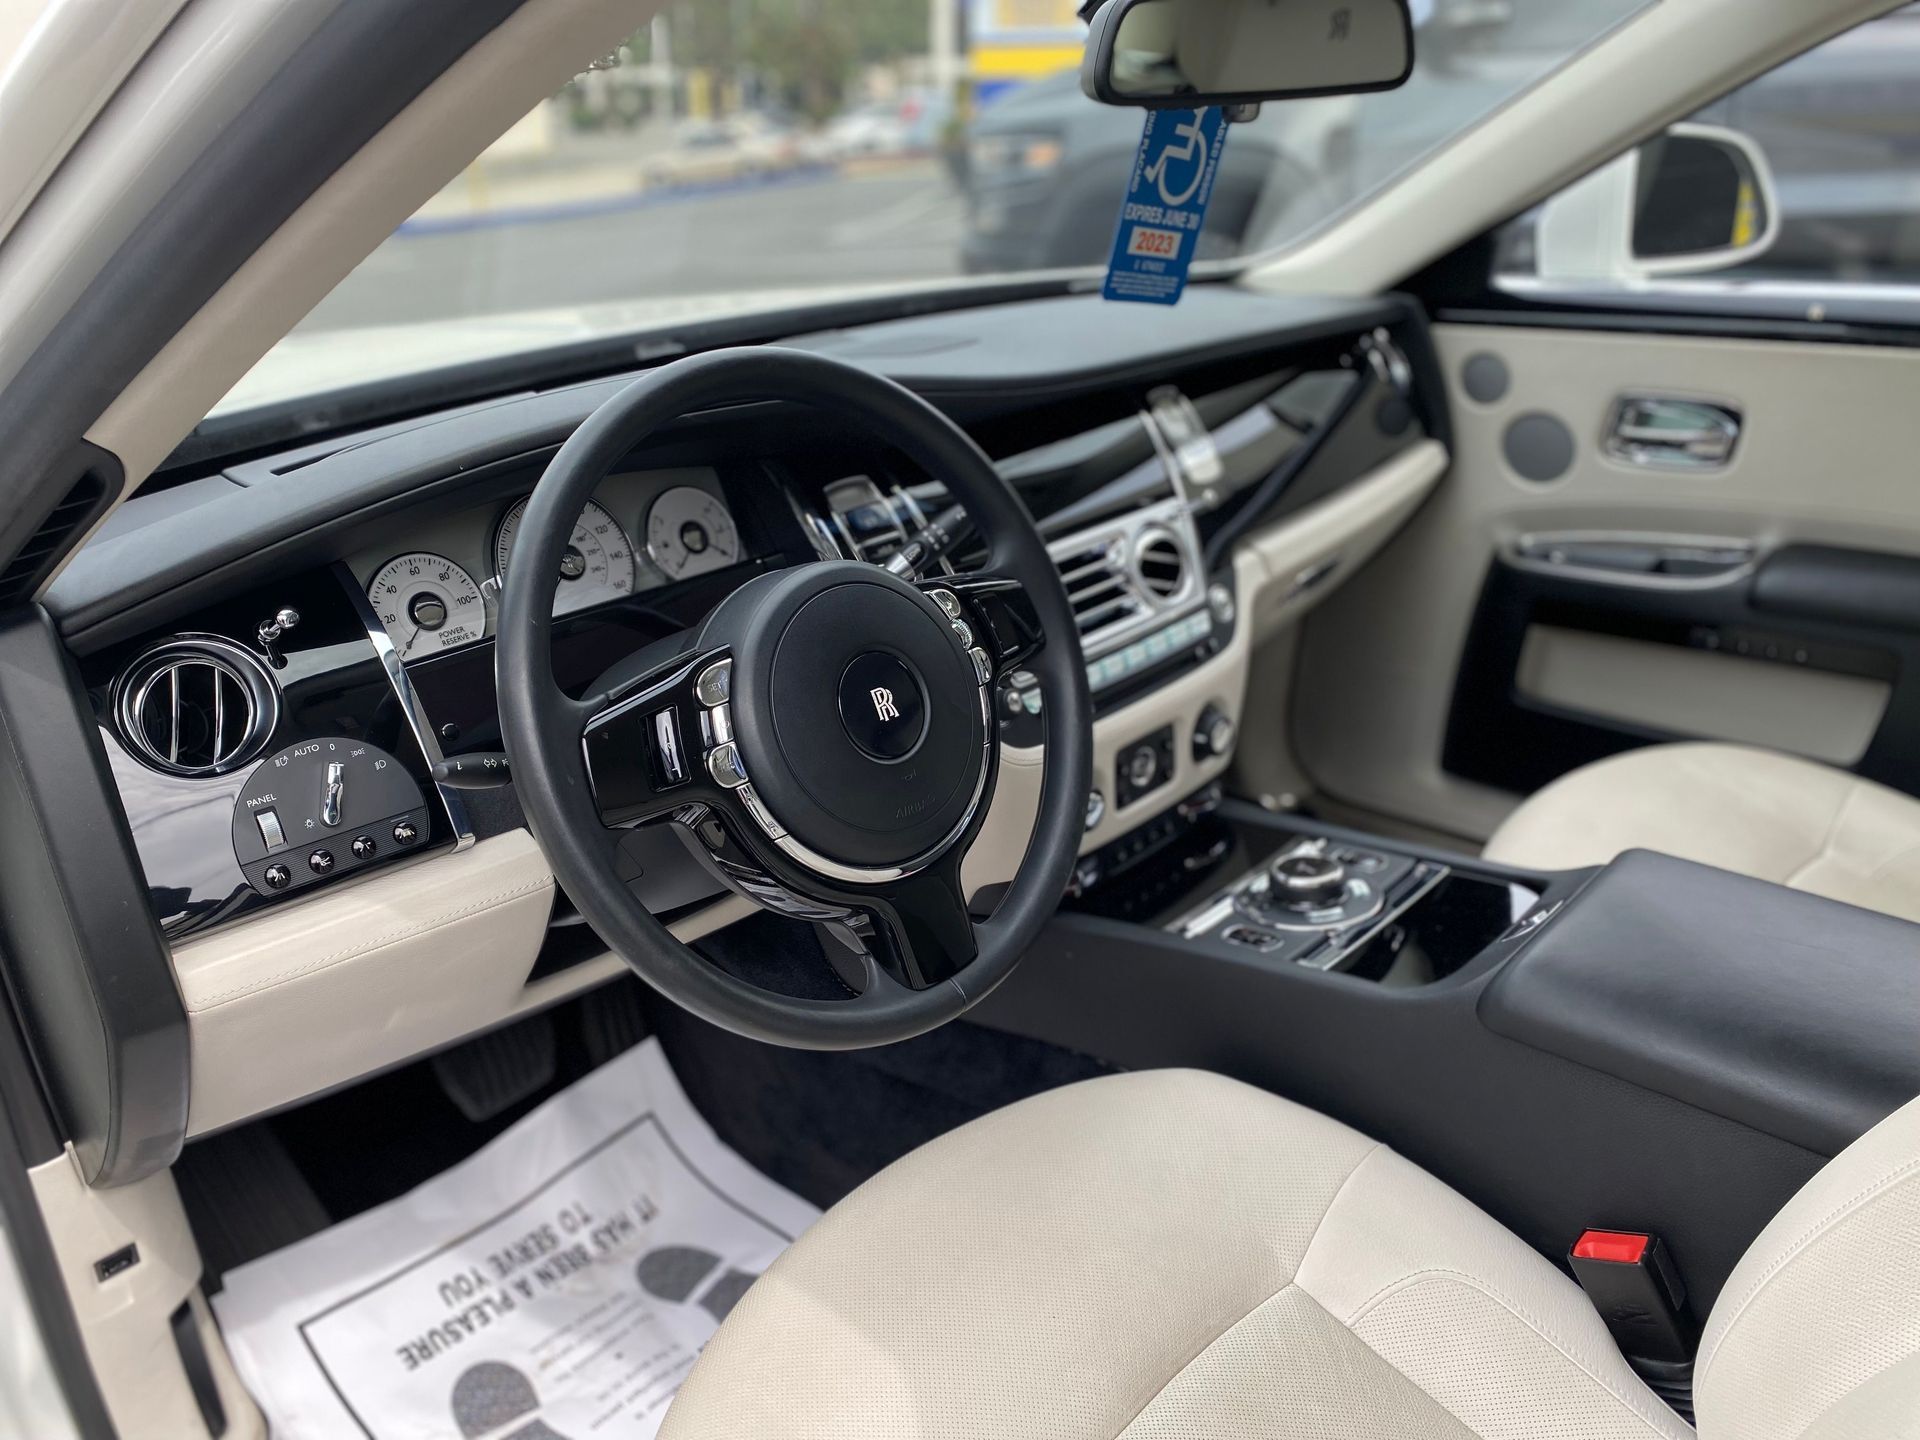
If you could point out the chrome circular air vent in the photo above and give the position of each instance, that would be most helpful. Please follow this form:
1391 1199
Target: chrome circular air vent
1160 563
197 705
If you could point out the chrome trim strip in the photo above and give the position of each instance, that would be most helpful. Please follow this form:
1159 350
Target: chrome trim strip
227 660
879 874
410 706
1511 552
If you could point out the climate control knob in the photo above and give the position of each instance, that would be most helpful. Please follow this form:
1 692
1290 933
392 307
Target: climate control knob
1213 734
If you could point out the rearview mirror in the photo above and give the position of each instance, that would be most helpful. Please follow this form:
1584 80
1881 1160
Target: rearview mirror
1160 54
1694 198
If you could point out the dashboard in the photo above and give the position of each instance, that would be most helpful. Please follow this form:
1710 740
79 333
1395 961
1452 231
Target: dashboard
278 654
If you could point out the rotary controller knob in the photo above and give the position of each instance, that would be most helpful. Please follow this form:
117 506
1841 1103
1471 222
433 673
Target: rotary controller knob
1307 881
1212 734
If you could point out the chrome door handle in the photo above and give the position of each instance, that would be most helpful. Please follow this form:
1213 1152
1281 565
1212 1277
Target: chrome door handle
1661 433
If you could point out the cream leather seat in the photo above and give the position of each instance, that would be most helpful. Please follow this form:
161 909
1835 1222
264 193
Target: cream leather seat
1173 1254
1756 812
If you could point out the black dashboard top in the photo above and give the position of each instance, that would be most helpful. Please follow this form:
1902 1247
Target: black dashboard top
1045 347
189 544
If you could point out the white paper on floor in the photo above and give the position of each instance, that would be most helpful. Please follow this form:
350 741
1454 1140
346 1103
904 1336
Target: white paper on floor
558 1284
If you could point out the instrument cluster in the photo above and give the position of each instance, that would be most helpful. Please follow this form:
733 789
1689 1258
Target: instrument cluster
442 595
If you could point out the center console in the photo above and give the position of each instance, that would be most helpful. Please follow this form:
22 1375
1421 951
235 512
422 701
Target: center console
1291 893
1650 1046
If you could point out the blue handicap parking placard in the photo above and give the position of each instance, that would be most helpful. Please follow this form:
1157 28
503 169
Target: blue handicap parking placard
1166 204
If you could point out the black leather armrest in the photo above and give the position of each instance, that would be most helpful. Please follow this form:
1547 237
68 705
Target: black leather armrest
1853 587
1794 1014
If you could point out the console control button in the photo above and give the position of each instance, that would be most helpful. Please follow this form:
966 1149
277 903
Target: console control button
1251 937
363 847
270 832
278 877
1143 767
331 795
1220 602
321 862
405 833
1213 734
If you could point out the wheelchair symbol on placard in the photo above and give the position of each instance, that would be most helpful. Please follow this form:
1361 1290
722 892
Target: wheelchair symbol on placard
1191 151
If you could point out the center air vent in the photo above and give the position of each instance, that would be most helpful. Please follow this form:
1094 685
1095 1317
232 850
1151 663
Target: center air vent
197 705
1161 565
1098 588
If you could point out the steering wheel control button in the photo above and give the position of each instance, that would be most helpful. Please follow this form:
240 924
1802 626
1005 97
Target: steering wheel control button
947 601
405 833
278 877
726 767
670 761
1096 809
882 706
321 862
982 664
714 685
363 847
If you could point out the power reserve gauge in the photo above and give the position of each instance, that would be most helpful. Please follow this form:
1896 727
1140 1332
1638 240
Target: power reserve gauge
427 604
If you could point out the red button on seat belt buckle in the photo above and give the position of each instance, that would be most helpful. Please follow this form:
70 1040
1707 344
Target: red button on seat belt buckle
1618 1247
1632 1282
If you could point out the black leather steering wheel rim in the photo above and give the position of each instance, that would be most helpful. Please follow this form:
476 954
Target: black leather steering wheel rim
542 727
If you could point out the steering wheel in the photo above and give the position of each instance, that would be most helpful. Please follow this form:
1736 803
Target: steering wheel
826 734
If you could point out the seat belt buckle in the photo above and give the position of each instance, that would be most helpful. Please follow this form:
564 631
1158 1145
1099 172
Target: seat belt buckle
1632 1282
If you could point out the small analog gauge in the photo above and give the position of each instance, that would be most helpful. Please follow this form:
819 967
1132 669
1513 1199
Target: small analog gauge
689 532
427 603
596 566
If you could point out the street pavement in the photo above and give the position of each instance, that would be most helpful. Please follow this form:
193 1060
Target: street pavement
901 222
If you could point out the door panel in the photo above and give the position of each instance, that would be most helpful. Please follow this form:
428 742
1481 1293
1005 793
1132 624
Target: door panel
1559 600
1681 689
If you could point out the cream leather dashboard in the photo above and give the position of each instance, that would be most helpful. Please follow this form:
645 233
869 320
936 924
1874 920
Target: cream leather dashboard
314 994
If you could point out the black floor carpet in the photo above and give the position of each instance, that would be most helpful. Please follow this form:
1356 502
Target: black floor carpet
819 1123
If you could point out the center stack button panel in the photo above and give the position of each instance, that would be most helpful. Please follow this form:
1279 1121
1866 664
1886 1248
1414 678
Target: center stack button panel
322 808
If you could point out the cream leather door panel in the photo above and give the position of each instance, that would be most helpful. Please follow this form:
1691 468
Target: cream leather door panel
1579 651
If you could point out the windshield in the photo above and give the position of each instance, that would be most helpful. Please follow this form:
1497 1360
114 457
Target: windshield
763 154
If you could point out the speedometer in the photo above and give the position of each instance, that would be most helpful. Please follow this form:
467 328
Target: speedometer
427 603
596 566
689 532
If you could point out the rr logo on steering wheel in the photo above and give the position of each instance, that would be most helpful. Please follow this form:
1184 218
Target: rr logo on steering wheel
883 706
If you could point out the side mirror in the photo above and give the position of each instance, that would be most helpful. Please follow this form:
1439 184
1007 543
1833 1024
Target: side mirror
1162 54
1695 198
